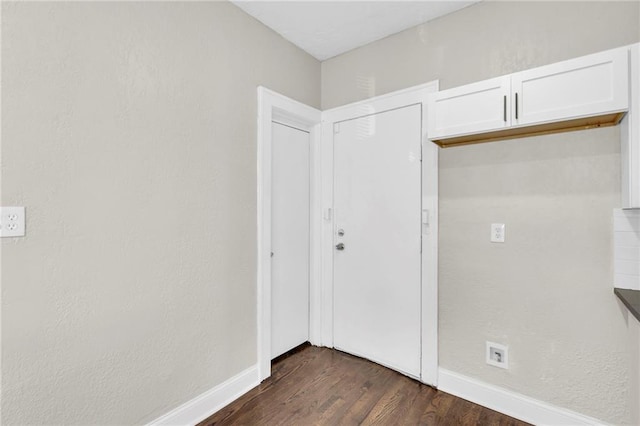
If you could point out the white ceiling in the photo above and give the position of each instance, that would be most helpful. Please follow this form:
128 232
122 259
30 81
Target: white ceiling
328 28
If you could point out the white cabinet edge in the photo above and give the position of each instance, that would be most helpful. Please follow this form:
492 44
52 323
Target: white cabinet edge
630 136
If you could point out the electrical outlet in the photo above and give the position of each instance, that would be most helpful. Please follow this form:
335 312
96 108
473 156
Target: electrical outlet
497 355
12 222
497 232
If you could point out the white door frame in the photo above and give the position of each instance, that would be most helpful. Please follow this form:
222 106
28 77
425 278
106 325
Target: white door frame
429 307
273 106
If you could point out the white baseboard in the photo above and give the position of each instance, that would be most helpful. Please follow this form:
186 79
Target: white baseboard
206 404
510 403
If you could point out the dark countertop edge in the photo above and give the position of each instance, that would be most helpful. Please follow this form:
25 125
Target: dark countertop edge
631 299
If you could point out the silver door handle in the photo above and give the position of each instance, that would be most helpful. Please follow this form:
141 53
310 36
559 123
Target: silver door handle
340 246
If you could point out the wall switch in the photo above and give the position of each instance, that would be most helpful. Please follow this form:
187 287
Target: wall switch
12 222
497 232
497 355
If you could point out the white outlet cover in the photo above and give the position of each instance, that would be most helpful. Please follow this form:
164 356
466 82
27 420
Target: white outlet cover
497 232
12 222
497 355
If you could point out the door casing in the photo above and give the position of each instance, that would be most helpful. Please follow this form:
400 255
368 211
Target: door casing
429 302
273 106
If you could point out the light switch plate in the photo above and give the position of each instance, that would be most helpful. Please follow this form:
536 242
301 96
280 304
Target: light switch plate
12 222
497 232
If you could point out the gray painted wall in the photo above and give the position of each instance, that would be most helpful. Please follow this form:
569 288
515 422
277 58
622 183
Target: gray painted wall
546 292
129 132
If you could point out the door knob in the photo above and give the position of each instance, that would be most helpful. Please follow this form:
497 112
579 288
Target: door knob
340 246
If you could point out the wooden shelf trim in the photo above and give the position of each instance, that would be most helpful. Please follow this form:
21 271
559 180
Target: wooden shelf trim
535 130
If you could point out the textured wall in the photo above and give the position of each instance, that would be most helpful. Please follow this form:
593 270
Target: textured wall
547 291
482 41
129 132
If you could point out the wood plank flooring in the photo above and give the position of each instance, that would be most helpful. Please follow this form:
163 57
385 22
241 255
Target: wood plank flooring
321 386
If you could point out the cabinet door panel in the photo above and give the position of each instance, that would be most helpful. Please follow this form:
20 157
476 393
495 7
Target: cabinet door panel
474 108
591 85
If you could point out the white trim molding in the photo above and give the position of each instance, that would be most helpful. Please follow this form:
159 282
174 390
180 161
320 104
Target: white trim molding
208 403
274 106
398 99
508 402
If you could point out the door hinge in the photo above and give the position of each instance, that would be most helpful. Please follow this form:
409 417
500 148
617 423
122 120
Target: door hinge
336 128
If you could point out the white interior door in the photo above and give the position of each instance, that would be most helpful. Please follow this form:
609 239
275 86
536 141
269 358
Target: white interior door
377 274
289 239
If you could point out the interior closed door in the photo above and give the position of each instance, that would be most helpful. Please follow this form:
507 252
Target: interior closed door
289 238
377 267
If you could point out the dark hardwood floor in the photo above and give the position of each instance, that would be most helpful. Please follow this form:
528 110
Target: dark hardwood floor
320 386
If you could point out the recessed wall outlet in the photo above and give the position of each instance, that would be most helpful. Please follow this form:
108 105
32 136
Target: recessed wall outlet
497 232
12 222
498 355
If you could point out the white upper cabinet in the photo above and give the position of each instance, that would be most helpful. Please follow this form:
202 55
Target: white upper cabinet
591 85
590 91
477 107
